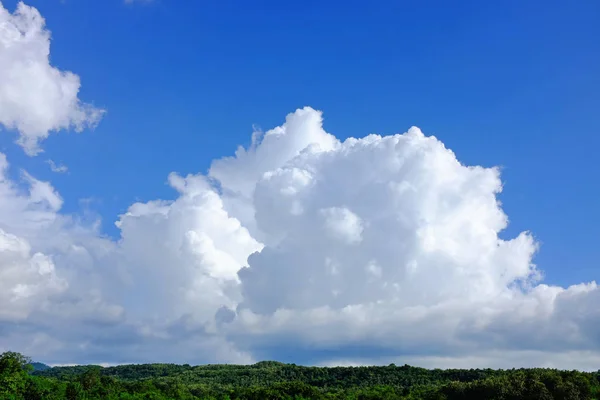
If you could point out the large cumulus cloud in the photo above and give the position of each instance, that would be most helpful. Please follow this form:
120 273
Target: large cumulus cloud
300 247
389 245
307 249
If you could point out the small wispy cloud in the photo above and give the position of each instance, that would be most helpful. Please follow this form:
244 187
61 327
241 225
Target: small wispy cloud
58 168
139 1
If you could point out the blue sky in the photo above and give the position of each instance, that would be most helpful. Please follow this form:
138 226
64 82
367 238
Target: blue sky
513 84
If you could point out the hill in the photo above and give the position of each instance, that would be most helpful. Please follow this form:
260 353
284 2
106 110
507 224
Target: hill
37 366
273 380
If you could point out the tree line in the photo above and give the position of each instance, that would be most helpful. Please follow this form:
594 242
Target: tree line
273 380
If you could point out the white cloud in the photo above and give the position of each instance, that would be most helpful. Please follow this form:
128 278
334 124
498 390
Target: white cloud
26 280
164 281
334 251
390 244
569 360
58 168
237 176
35 97
139 1
49 290
186 253
368 249
403 202
342 224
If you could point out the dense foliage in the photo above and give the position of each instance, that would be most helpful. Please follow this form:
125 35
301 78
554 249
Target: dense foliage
272 380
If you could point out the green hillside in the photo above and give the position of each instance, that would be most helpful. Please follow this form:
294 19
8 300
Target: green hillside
273 380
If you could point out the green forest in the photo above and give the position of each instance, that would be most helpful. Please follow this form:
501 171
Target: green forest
22 379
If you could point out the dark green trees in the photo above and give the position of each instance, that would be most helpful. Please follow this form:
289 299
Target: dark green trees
272 380
13 374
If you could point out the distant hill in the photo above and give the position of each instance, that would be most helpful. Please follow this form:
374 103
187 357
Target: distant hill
275 380
39 366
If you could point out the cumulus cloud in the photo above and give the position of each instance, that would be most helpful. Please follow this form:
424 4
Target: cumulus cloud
68 294
390 245
237 176
45 276
186 253
381 220
35 97
302 248
27 280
